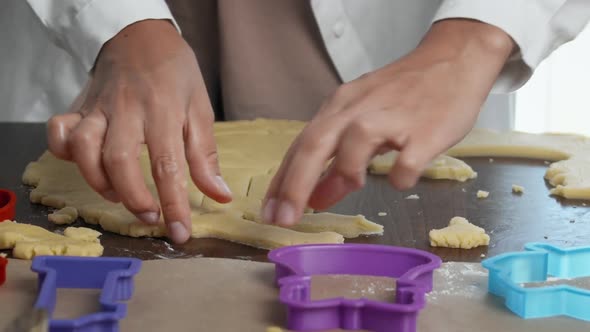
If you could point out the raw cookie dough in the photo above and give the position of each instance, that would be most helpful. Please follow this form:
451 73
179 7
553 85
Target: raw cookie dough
517 189
249 155
443 167
229 225
28 241
482 194
459 234
63 216
569 174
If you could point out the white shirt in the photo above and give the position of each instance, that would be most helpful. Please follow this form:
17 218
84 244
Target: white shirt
48 46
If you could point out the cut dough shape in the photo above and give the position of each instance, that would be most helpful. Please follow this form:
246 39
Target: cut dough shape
569 173
249 154
443 167
482 194
517 189
459 234
64 216
28 241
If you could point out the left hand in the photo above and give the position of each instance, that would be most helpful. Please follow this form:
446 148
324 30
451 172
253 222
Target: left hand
420 105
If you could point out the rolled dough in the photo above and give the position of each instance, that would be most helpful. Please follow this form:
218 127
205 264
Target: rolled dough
249 154
569 174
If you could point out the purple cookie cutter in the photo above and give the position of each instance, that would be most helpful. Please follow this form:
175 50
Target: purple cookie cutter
114 276
295 265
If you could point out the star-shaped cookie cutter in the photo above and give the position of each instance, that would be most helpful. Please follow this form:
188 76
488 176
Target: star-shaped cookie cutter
295 265
507 273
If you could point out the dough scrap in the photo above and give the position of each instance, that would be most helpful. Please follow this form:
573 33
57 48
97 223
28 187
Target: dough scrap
414 196
517 189
249 155
347 226
28 241
569 173
443 167
482 194
459 234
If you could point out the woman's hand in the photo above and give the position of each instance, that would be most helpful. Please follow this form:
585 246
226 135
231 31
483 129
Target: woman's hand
420 105
146 88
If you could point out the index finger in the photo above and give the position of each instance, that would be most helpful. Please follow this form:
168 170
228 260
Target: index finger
300 172
166 148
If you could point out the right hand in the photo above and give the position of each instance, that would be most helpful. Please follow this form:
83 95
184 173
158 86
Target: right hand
146 88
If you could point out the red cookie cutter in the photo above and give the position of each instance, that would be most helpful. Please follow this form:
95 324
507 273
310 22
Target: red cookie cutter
7 205
3 263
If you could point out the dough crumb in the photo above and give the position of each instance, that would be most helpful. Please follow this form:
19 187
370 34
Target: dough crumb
382 214
483 194
546 162
274 329
459 234
482 255
517 189
463 190
491 160
414 196
583 204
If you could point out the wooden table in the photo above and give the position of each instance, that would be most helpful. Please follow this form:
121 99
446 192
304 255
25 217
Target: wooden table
510 219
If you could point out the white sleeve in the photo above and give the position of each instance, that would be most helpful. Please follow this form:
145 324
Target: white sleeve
81 27
538 27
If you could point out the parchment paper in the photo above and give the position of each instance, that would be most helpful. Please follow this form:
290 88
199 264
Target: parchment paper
210 294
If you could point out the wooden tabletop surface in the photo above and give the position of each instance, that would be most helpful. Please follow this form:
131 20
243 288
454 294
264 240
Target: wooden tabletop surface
510 219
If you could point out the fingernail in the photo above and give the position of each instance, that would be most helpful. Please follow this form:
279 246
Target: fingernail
268 210
149 217
111 195
285 214
177 232
222 185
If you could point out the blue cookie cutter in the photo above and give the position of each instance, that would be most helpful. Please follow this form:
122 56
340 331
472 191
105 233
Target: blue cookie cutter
113 275
539 260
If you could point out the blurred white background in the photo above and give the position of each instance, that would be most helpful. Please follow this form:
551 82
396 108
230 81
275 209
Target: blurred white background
557 97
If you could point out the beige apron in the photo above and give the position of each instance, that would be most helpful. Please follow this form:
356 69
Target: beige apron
259 58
